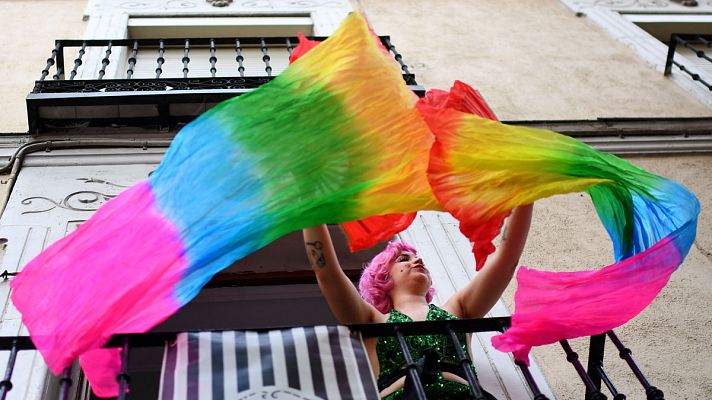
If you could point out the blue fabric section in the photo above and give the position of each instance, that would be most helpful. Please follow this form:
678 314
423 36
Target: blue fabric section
648 209
224 220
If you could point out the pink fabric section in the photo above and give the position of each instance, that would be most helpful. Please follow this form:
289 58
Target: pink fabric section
118 296
101 366
555 305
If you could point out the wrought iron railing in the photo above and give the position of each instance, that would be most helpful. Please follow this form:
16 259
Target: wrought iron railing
591 377
65 96
695 43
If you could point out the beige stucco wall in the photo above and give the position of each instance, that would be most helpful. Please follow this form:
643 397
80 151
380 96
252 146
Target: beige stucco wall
29 29
531 59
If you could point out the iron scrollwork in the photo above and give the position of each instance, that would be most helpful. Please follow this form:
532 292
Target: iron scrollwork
133 85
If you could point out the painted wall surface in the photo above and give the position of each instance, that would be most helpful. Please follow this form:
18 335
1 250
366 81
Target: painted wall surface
30 29
530 59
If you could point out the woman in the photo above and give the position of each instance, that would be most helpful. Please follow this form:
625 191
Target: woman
396 287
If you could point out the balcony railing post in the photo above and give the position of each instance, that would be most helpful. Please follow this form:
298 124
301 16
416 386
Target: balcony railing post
50 61
572 357
397 56
538 395
105 61
670 54
412 367
6 383
132 60
65 383
289 47
160 60
186 57
651 392
123 377
265 57
78 61
596 348
609 384
59 70
239 58
466 365
213 58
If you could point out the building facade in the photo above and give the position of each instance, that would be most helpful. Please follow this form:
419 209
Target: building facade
586 68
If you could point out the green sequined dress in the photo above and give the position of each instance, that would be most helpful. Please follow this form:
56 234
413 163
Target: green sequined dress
390 356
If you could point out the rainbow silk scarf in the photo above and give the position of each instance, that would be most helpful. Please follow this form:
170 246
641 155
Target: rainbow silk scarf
338 138
481 169
334 138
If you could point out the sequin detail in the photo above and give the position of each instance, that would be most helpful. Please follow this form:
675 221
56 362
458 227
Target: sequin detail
390 356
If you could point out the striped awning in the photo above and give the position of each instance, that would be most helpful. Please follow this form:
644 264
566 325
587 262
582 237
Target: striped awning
322 362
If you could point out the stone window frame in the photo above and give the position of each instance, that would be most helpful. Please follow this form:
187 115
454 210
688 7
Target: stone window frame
610 16
109 19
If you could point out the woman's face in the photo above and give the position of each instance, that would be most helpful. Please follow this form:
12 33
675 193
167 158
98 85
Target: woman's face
408 269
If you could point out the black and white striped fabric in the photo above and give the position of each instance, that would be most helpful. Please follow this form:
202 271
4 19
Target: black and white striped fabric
322 362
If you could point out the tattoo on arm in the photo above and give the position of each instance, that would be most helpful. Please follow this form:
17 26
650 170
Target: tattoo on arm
316 251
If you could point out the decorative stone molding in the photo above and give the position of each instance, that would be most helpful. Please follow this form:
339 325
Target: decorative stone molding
648 6
168 7
219 3
82 200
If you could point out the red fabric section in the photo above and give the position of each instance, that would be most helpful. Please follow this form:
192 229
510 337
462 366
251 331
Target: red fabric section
303 48
367 232
463 98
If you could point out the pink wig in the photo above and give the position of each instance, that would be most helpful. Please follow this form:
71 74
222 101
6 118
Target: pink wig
376 284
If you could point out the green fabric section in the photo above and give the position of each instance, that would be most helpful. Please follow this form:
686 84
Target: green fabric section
614 201
311 154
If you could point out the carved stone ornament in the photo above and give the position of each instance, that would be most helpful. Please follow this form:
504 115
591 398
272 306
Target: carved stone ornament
82 200
219 3
683 6
159 7
150 5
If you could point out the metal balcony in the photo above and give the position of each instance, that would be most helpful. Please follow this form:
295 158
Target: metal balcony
591 377
60 100
695 43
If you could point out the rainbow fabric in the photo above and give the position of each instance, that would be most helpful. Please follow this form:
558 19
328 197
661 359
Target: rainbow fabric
336 138
481 169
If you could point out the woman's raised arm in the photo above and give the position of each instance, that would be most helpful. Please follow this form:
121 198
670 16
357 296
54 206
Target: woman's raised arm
343 298
483 291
